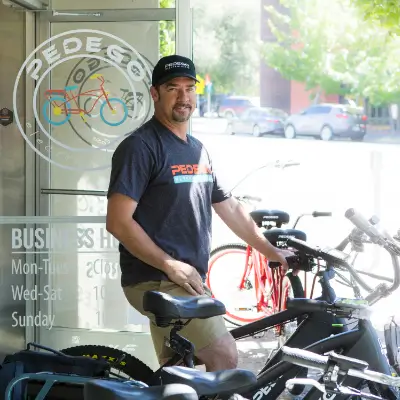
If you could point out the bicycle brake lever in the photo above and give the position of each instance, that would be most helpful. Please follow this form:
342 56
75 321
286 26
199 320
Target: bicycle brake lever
339 390
290 383
355 392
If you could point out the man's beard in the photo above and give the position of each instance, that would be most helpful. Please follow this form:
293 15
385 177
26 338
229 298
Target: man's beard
181 116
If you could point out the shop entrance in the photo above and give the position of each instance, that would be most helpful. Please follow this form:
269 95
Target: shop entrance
86 80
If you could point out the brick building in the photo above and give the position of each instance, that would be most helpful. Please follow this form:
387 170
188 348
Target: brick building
276 91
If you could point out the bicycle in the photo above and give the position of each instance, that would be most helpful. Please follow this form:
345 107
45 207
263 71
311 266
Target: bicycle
335 368
59 101
324 327
255 281
108 390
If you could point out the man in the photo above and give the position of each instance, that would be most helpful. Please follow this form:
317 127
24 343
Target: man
162 188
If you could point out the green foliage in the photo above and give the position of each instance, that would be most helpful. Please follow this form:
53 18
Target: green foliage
167 32
226 47
385 12
329 46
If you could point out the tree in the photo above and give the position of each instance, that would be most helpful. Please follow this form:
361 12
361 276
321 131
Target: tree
226 46
385 12
331 48
167 32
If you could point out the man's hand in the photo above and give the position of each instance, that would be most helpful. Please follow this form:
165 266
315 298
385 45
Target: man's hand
185 276
280 256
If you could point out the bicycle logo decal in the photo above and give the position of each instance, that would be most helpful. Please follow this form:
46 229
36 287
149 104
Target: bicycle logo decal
91 90
63 104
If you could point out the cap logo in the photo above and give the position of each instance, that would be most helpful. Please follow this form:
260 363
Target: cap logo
176 64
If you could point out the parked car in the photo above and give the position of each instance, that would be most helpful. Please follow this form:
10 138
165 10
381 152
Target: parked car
258 121
234 106
325 121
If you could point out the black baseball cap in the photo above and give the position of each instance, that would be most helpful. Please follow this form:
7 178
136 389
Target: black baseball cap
171 67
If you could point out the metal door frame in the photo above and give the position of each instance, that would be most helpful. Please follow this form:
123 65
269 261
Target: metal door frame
38 26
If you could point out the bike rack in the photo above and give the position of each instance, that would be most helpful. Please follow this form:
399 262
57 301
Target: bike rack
49 378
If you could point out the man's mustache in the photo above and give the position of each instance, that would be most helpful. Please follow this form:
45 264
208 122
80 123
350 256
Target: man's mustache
186 105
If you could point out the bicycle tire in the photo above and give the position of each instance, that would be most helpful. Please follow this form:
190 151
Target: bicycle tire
131 366
106 103
295 281
49 103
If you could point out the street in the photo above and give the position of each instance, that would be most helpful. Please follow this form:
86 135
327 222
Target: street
332 176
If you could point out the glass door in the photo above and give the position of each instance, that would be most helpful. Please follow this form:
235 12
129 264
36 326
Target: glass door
90 78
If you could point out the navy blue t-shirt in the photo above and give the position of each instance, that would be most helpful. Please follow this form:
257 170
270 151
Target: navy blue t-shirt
175 186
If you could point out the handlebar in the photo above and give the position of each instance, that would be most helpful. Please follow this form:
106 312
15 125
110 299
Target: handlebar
365 226
273 164
314 214
344 365
317 214
346 308
336 257
247 197
387 243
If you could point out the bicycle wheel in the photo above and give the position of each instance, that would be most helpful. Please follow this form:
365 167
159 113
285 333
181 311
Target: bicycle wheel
92 106
58 118
225 271
119 360
117 115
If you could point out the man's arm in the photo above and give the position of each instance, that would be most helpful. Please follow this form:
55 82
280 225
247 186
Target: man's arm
240 222
133 237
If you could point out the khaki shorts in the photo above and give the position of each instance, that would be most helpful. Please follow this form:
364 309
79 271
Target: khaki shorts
201 332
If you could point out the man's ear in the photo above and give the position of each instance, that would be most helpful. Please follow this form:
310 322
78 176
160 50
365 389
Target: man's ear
155 94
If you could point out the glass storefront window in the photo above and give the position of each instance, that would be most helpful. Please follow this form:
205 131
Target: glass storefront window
63 68
280 81
277 82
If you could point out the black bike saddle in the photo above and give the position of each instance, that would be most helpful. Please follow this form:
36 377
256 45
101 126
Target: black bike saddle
278 237
209 383
262 217
166 307
111 390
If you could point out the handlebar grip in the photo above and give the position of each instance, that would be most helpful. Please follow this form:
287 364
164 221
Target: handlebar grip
363 224
274 264
374 220
316 214
304 358
292 163
307 305
252 198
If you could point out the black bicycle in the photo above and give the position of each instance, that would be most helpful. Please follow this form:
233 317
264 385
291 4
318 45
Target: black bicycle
353 335
335 369
112 390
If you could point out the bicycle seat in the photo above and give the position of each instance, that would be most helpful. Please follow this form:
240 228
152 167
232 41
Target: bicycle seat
73 87
166 307
209 383
278 236
113 390
260 217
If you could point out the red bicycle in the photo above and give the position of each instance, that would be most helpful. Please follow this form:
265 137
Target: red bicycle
243 279
252 289
57 110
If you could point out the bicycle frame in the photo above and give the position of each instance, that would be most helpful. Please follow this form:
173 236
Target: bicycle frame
266 302
89 93
275 300
361 343
314 333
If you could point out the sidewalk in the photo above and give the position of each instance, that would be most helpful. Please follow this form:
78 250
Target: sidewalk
381 134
